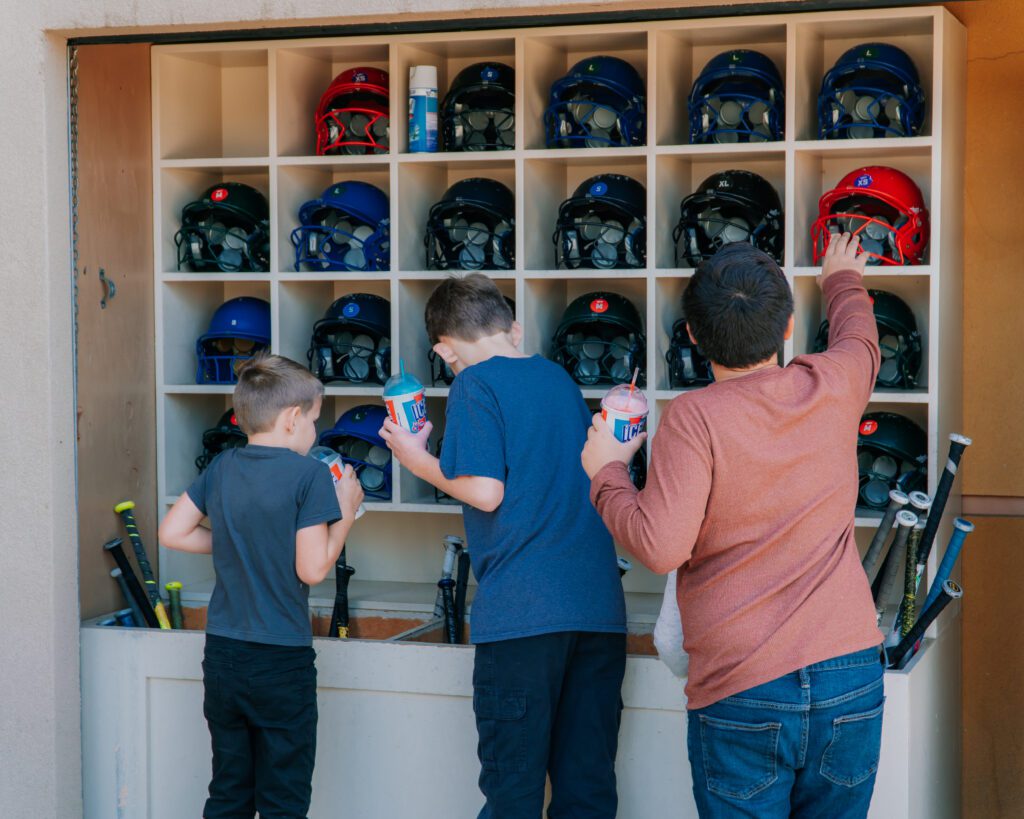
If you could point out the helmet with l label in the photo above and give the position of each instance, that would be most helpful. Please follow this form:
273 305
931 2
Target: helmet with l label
238 329
872 91
898 339
225 435
346 228
731 206
600 340
353 115
226 229
881 205
472 227
599 103
355 436
352 342
478 112
603 225
892 453
738 97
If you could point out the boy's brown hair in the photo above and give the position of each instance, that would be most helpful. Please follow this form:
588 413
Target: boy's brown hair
467 308
268 384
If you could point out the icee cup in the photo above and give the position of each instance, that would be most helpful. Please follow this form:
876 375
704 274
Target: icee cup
625 412
405 401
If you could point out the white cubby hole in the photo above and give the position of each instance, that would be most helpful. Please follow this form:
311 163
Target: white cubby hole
244 112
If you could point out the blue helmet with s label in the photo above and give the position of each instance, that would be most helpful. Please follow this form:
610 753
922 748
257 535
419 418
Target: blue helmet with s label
346 228
355 436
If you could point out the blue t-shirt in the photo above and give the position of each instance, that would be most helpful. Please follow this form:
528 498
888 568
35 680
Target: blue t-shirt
257 498
543 559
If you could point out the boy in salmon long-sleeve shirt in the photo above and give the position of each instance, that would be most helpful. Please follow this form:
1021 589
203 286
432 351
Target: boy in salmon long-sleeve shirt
751 496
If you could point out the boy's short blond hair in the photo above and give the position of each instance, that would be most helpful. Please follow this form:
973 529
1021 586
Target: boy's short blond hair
268 384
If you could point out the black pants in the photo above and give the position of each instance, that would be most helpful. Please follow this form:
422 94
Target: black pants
260 705
549 705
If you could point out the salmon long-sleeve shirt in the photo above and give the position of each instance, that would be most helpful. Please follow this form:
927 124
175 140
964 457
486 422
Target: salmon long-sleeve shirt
751 495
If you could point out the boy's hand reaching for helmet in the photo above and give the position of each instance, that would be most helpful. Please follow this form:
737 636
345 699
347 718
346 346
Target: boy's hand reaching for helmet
843 253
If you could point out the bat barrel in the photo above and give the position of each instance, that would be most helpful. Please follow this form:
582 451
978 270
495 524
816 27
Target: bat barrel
961 529
957 444
447 586
900 655
126 593
116 550
897 500
174 598
905 520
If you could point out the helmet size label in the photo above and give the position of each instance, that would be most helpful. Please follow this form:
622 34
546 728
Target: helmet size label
863 181
219 195
598 189
489 74
868 427
350 310
599 306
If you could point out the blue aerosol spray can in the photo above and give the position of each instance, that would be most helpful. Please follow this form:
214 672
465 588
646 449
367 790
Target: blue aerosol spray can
422 108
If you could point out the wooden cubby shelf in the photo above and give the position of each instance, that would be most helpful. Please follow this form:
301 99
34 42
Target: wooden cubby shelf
244 112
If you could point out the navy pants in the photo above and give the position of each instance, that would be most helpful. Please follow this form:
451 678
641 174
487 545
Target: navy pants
260 705
549 705
805 745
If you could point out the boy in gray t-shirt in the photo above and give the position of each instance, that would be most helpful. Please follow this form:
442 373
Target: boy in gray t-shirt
278 525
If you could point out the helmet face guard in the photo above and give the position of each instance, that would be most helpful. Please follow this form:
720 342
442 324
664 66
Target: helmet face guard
221 356
341 242
469 237
600 353
370 459
708 223
872 91
599 235
353 114
226 229
687 366
880 471
342 351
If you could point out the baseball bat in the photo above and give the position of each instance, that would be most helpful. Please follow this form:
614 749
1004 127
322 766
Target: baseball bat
125 618
900 655
961 529
446 585
907 612
174 601
461 586
905 521
115 549
339 615
126 593
453 544
957 444
624 565
897 500
126 510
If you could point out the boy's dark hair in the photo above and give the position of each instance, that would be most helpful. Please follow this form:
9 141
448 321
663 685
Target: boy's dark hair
737 306
268 384
467 308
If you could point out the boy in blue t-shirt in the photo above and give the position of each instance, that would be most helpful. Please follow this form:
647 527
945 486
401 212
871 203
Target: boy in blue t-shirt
549 619
278 527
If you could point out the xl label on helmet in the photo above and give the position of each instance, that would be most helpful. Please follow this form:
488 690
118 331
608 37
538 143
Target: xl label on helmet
599 306
868 427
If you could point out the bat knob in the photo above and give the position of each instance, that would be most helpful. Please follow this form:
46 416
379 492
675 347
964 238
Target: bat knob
963 525
173 585
906 518
110 545
957 438
124 506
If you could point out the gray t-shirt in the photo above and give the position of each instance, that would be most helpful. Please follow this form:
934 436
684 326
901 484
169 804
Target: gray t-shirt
257 498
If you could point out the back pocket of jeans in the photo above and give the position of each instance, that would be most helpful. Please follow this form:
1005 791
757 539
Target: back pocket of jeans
501 724
740 759
852 755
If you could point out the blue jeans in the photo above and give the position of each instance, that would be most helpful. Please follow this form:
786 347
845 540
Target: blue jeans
804 745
